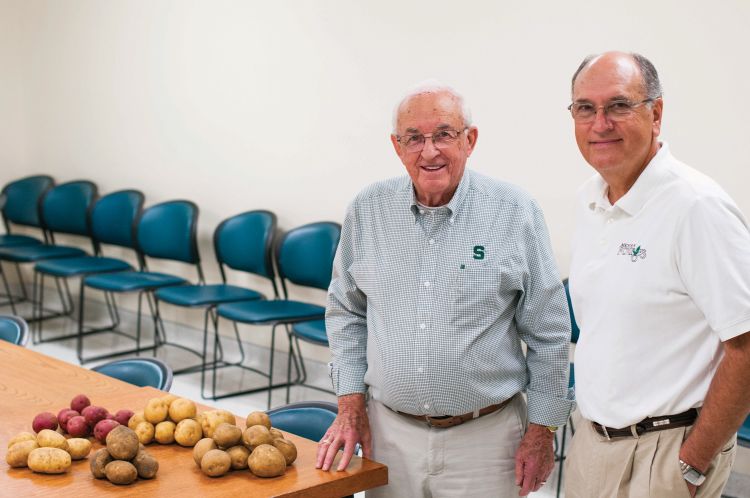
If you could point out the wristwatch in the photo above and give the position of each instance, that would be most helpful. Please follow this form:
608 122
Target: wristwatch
691 474
552 428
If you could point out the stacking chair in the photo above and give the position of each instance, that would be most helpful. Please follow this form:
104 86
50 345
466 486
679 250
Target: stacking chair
743 435
20 206
164 231
14 329
313 332
308 419
63 210
140 372
243 243
304 256
112 221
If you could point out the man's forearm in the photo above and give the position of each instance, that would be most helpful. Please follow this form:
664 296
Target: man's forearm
726 406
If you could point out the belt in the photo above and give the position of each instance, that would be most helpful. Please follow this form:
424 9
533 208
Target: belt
445 421
650 424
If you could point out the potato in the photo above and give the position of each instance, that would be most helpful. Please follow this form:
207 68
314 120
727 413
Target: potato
255 436
145 432
49 460
258 418
155 411
21 436
277 434
99 462
136 419
215 463
188 432
43 421
182 408
51 439
18 454
146 465
79 403
227 435
64 415
164 432
287 448
266 461
102 428
122 443
168 399
79 448
77 426
238 455
120 472
212 418
123 416
94 414
201 447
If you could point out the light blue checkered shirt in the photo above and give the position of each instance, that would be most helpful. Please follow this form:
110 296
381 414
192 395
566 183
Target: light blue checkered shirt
428 307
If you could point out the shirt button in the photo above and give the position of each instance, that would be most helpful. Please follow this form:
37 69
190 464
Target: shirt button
432 241
421 211
426 406
451 221
609 220
427 284
422 326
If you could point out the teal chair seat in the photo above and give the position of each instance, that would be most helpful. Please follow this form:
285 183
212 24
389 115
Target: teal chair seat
310 420
203 295
14 329
69 267
30 254
8 240
270 311
312 331
140 372
743 435
131 280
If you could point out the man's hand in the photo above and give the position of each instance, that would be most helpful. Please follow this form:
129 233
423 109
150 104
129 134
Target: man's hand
350 427
535 459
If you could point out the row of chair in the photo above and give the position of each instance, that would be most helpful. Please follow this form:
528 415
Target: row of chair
247 242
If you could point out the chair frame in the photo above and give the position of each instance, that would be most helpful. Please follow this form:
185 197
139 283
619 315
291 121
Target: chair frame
302 370
166 370
23 326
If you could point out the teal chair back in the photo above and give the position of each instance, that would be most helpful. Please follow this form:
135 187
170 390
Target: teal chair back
14 329
309 419
113 218
22 198
65 208
574 330
243 242
168 231
140 372
305 254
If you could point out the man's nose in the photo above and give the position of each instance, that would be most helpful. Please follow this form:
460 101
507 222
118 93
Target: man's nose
429 150
601 123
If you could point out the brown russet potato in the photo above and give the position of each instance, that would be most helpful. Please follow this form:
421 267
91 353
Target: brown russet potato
188 432
287 448
21 436
227 435
136 419
146 465
51 439
156 411
255 436
120 472
258 418
277 434
18 454
215 463
201 447
164 432
145 432
182 408
122 443
100 460
79 448
266 461
211 419
238 455
49 460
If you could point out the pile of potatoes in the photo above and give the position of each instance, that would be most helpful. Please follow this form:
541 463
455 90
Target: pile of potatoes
167 420
124 459
48 452
260 447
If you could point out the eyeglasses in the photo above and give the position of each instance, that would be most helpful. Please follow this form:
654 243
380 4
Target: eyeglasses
441 139
616 110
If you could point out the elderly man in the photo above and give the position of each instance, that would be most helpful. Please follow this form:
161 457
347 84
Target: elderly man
439 278
660 283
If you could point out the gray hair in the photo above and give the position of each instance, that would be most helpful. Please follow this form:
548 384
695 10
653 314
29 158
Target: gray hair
433 86
651 83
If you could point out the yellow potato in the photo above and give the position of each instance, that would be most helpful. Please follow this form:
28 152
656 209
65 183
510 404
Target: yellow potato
215 463
168 399
277 434
266 461
51 439
201 447
258 418
287 448
188 432
164 432
227 435
136 419
238 455
21 436
145 432
255 436
79 448
156 411
182 408
18 454
213 418
49 460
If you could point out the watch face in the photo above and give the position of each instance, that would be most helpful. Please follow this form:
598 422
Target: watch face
693 477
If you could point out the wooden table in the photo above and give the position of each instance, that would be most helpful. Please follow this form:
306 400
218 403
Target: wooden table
31 383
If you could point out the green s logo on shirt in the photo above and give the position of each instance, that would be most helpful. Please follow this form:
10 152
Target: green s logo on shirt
478 252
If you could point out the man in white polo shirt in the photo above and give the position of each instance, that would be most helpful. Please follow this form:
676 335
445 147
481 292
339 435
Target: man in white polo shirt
660 284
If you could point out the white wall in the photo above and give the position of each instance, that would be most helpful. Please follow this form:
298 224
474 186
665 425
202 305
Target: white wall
287 105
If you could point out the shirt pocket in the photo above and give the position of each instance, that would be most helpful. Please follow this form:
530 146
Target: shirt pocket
475 292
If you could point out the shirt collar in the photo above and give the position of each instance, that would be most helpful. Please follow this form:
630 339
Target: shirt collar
456 201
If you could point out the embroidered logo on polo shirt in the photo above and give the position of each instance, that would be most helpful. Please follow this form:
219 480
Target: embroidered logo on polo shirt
478 252
635 251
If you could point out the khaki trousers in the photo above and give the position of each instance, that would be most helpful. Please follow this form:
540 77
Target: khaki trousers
474 459
643 467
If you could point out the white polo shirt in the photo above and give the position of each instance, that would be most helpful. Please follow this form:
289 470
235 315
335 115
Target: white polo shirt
657 281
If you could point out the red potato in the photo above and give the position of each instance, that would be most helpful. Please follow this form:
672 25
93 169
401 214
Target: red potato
110 416
123 416
64 415
102 428
79 403
43 421
78 427
93 414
